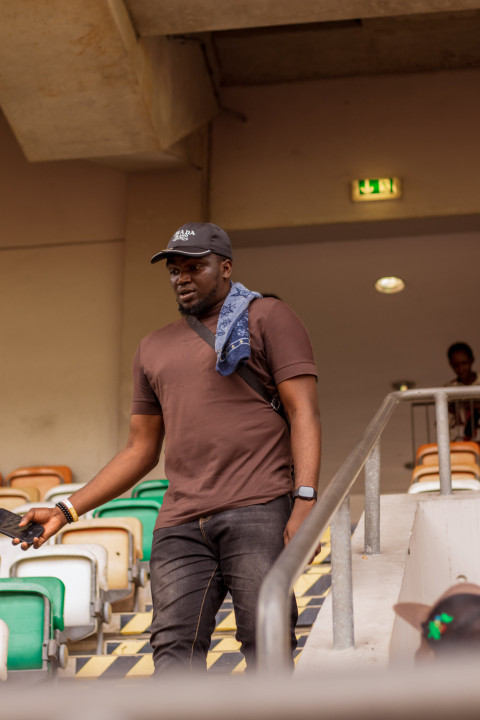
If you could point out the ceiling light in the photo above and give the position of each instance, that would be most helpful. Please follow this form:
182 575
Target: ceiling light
389 285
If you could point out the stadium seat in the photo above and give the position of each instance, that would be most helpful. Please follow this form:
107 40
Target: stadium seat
3 650
83 570
145 510
426 478
22 509
32 608
122 538
151 489
42 477
8 554
460 452
62 491
10 498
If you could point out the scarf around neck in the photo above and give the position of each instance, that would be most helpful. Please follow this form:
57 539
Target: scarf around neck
232 340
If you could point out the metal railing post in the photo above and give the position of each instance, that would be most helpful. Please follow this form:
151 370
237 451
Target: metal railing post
342 587
443 442
372 502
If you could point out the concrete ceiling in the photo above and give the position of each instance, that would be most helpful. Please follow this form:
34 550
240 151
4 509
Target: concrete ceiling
134 83
416 43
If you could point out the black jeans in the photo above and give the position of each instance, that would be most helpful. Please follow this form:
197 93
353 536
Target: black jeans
195 564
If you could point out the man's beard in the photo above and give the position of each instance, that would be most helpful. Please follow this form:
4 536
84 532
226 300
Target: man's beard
200 307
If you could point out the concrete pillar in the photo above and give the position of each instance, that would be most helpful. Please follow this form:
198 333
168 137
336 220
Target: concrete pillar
158 203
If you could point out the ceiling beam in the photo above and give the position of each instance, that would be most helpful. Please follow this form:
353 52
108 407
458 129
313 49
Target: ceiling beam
77 82
171 17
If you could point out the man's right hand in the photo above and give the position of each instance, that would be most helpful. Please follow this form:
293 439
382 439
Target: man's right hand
52 520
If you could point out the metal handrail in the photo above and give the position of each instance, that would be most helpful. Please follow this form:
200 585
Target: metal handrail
273 614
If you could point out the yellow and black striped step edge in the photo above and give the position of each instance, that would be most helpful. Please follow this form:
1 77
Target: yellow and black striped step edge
133 659
314 583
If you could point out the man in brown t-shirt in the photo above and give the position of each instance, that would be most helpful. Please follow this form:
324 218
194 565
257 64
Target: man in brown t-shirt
232 503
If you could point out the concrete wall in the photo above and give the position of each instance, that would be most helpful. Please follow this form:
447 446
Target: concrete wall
288 167
293 159
61 270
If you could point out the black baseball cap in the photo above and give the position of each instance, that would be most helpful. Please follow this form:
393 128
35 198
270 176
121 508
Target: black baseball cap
197 239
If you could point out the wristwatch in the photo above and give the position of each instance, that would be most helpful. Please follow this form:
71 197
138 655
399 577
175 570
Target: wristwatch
305 492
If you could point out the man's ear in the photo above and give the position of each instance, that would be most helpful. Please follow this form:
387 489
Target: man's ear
227 266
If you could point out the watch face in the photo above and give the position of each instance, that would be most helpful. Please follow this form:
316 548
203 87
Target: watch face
305 492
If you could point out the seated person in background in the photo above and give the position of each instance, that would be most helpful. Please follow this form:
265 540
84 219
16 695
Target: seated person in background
464 415
450 626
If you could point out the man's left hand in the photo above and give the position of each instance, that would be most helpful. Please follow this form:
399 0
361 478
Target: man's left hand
301 510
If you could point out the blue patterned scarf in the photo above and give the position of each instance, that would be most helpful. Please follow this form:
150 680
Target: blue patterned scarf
232 341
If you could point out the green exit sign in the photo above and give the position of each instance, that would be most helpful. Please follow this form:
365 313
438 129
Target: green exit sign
376 189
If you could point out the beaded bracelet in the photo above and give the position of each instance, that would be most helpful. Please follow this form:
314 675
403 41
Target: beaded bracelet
65 511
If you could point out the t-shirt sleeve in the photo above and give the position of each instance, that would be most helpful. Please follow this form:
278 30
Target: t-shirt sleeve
288 347
144 402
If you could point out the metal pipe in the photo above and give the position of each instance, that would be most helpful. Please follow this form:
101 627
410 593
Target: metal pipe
342 588
372 502
412 423
427 412
443 442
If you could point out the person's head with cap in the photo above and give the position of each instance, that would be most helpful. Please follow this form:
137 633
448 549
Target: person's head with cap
197 239
199 259
450 625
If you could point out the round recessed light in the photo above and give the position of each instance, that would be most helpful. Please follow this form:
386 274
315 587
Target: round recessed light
389 285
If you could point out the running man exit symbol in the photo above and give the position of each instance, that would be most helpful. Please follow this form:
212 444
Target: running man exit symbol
376 189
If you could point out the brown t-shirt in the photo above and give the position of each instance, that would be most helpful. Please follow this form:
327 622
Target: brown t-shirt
225 447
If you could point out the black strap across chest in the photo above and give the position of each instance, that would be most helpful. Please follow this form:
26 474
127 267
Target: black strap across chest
244 371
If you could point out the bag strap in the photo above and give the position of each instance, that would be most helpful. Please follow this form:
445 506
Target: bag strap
244 371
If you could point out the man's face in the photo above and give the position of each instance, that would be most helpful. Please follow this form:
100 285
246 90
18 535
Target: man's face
199 283
461 364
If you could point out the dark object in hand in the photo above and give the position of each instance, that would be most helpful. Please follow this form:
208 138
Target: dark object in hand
9 526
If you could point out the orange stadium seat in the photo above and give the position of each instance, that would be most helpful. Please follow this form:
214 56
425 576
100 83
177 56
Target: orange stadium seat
41 477
10 498
460 452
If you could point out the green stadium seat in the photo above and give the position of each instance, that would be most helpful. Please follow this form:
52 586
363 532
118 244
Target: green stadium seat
83 572
151 489
146 510
32 608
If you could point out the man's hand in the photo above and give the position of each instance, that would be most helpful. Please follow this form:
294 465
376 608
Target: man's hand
52 520
301 510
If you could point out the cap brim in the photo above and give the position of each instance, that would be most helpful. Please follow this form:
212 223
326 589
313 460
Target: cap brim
191 252
413 613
